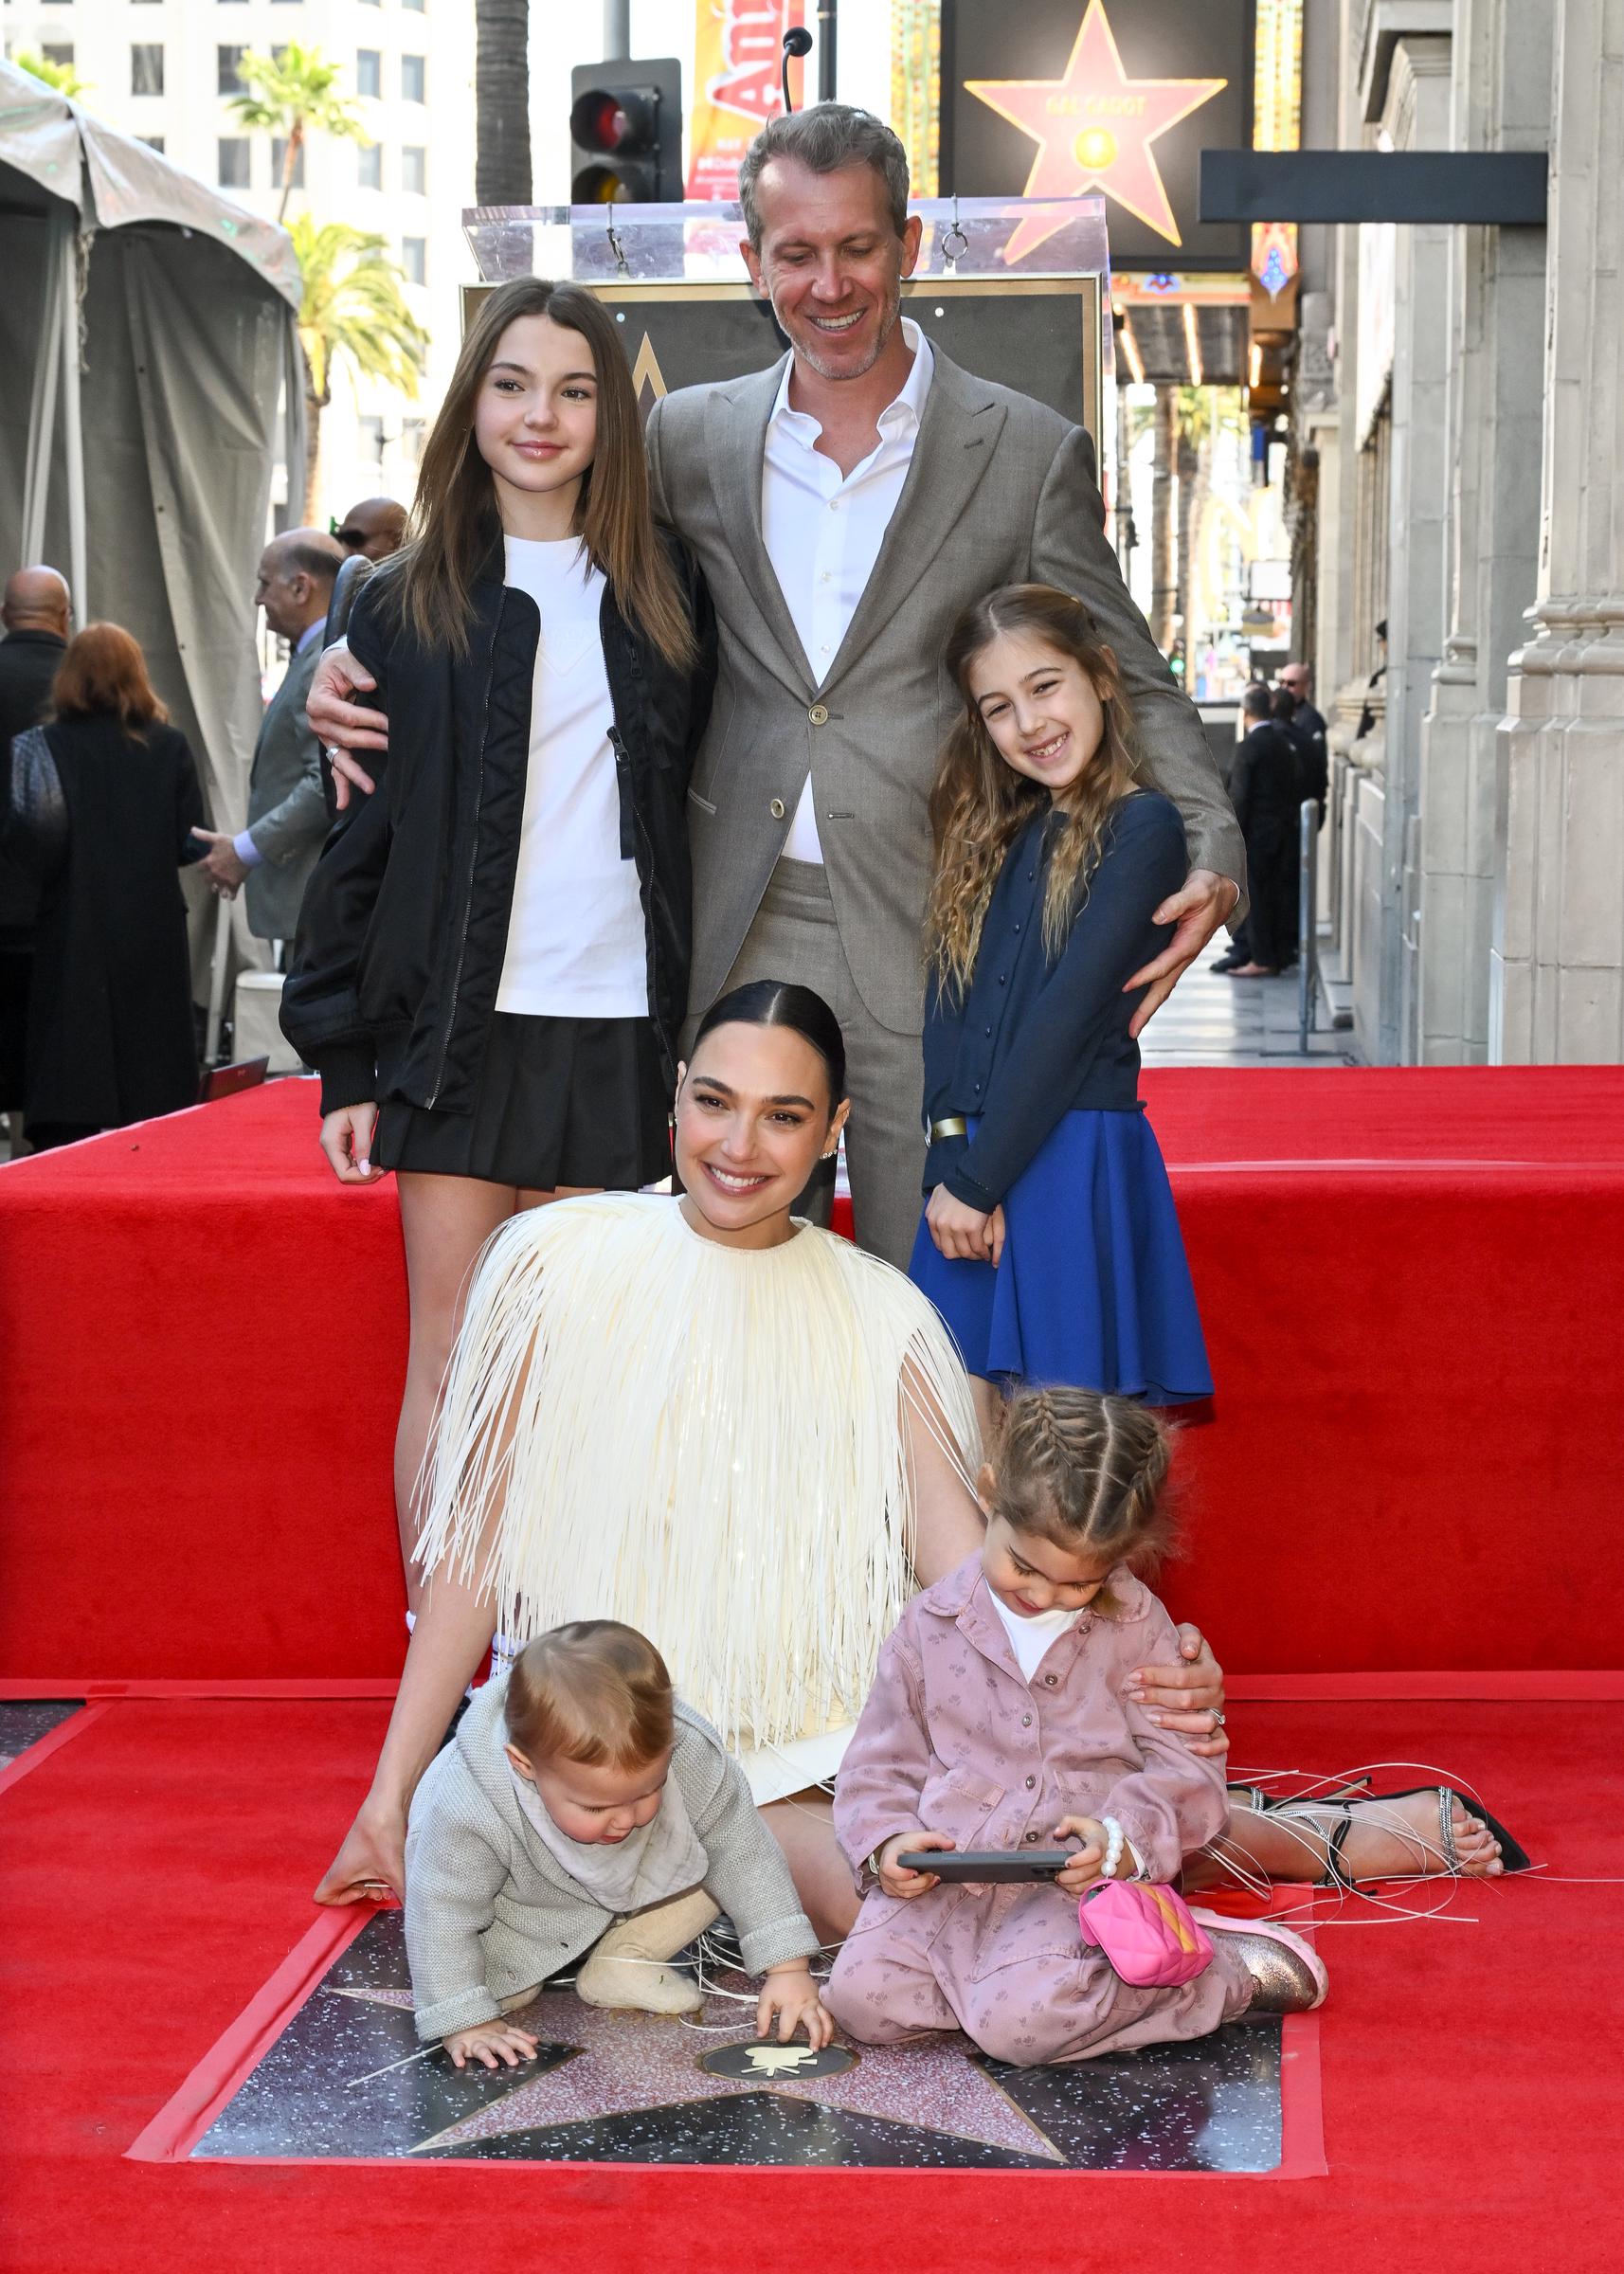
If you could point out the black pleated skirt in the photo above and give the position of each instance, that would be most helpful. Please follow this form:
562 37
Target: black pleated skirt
561 1102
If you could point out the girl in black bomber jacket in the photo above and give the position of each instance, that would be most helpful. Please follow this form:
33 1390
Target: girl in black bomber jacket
491 968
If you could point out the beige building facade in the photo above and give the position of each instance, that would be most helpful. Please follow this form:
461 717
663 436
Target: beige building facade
165 70
1459 420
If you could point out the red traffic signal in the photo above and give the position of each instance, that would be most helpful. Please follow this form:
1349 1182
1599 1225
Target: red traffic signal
625 122
612 120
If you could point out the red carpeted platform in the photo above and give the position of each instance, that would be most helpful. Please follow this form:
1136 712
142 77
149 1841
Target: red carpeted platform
1410 1283
153 1871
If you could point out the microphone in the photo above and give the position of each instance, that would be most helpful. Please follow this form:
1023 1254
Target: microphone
797 40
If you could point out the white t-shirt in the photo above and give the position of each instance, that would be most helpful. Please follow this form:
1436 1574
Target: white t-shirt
1031 1634
576 943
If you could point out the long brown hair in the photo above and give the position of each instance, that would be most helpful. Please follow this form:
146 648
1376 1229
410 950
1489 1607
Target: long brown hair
455 523
979 804
104 672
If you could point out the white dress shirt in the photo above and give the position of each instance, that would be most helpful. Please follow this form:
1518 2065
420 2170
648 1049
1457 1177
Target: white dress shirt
823 529
242 844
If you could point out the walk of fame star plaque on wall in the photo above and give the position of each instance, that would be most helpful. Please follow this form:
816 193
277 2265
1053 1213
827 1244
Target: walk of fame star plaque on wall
1058 97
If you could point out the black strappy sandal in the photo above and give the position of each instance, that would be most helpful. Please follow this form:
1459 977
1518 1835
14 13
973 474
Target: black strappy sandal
1265 1803
1513 1855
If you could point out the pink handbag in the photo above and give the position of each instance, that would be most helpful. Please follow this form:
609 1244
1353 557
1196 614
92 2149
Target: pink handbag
1148 1934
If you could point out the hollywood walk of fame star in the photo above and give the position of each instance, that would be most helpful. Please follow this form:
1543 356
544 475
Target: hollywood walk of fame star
635 2061
1094 127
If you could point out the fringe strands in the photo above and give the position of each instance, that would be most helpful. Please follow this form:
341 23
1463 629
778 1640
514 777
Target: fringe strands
708 1443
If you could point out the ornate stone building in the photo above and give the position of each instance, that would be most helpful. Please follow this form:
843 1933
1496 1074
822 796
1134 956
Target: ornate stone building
1458 416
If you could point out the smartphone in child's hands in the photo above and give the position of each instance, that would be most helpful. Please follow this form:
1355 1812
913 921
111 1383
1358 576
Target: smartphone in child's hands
993 1866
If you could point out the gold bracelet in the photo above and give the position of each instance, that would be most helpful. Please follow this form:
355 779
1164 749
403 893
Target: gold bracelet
955 1125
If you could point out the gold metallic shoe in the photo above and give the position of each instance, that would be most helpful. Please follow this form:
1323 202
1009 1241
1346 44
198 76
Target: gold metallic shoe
1287 1975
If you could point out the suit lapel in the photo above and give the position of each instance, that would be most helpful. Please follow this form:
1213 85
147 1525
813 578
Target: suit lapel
736 422
290 696
957 436
287 701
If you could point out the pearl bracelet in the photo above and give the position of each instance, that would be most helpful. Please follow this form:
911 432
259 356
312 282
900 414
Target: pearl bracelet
1113 1847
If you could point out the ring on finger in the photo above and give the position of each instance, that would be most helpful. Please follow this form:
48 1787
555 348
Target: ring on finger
1217 1714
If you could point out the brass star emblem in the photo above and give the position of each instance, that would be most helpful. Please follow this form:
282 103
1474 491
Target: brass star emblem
1095 128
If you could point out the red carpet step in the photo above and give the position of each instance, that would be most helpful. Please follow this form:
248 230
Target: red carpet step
1410 1281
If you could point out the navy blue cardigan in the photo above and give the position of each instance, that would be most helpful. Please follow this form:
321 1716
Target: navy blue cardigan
1033 1041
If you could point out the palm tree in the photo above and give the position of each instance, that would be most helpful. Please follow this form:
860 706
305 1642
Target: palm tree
1201 415
501 103
352 308
63 76
1164 557
295 94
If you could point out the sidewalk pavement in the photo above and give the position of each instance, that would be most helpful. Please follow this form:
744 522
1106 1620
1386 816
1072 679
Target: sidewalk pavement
1212 1021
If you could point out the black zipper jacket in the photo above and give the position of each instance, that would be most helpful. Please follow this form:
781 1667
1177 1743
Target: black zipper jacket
404 924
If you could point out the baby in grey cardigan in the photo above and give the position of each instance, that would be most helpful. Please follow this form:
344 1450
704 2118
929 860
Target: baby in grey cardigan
580 1809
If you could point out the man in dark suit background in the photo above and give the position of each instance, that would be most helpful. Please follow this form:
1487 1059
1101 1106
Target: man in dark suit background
37 612
1307 729
1266 790
287 806
1298 679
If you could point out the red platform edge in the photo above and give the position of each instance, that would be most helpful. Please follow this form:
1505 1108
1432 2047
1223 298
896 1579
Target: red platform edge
1504 1685
54 1740
188 2114
185 2117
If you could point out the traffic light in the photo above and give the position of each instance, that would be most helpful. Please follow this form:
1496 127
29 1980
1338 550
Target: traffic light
625 122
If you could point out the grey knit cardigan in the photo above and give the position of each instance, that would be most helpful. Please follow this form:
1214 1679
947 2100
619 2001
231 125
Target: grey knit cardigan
489 1911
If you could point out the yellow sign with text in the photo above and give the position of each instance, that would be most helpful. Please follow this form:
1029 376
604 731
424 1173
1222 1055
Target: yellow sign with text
738 57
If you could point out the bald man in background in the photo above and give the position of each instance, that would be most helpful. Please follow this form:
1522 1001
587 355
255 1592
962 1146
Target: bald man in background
369 532
372 530
37 612
287 807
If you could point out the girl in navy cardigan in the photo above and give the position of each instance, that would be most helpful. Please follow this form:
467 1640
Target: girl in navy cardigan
1050 1242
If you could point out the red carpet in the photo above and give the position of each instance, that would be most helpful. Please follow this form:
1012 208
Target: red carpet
1410 1283
152 1875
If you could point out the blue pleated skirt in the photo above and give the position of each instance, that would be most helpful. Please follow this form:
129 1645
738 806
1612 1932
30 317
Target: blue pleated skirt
1092 1289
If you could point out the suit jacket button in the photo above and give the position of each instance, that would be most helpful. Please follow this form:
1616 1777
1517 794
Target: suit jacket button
819 714
776 809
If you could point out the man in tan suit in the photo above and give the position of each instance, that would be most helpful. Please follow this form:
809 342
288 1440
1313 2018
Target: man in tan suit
845 505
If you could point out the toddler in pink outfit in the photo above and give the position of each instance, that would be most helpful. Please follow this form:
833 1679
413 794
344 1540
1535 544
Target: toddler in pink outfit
998 1721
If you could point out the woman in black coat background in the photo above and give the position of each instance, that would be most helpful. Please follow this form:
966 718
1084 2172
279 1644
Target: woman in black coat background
112 1037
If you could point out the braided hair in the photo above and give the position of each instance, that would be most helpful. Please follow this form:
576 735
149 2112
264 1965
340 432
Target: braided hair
1086 1472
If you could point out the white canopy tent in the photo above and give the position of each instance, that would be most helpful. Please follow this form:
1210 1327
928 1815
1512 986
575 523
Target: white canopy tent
152 382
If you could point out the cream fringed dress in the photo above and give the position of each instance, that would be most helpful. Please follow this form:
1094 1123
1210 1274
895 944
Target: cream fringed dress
707 1442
